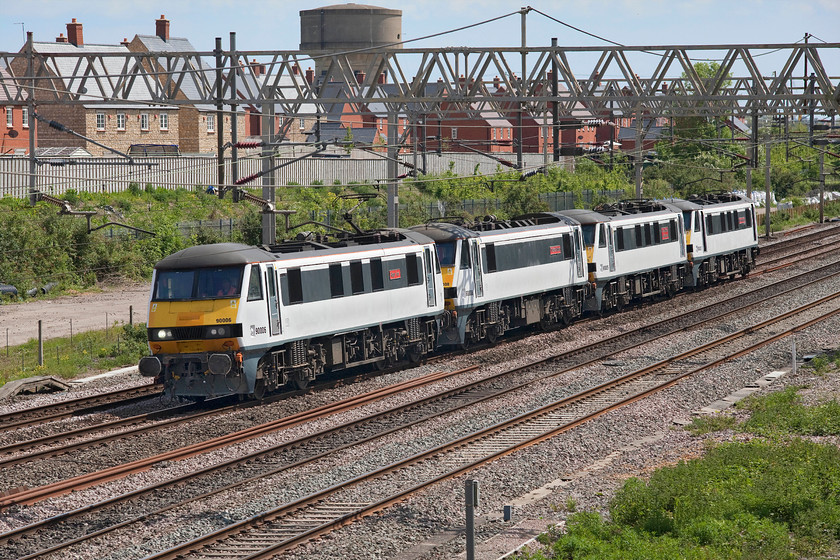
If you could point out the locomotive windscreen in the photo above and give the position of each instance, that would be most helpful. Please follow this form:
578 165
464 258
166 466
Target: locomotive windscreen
446 253
199 283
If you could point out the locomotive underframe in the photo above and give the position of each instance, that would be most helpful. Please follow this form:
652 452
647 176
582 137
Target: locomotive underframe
493 319
301 361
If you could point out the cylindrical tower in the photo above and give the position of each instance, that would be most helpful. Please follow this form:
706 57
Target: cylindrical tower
348 27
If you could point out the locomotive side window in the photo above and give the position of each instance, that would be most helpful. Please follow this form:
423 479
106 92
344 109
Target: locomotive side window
619 239
672 229
657 233
295 286
697 219
602 235
568 250
638 230
336 281
490 257
648 236
254 284
376 278
357 284
412 268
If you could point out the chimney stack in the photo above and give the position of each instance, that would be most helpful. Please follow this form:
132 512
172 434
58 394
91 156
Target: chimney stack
360 77
61 38
162 27
382 79
124 42
259 69
296 69
310 75
497 82
74 33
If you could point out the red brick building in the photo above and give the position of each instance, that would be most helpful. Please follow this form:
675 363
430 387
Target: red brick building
15 122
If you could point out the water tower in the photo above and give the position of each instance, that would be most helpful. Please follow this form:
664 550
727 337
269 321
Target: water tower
348 27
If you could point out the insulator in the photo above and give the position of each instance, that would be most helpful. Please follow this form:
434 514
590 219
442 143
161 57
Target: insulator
506 163
249 144
247 179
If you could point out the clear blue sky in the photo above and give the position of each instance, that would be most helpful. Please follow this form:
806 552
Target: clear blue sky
275 25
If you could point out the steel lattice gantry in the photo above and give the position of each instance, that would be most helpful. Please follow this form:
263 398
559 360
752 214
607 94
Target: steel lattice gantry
763 79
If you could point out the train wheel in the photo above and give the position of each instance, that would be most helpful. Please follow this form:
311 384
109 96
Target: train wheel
414 355
259 390
492 334
300 383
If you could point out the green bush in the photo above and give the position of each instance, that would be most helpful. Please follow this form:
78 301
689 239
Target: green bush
757 500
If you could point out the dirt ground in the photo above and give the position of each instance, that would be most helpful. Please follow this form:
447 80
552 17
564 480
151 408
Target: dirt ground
81 312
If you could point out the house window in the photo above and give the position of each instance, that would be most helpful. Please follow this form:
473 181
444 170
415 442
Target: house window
120 121
494 134
144 121
100 121
10 117
211 123
164 121
454 133
301 124
24 117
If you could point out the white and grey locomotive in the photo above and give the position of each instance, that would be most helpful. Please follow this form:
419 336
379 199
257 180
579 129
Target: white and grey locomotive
234 319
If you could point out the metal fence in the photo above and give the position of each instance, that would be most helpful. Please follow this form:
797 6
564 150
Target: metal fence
109 175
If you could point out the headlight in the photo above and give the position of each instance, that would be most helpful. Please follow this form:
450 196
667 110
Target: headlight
218 331
164 334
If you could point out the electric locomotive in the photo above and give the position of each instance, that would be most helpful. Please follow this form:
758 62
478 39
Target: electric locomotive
635 249
721 236
502 274
234 319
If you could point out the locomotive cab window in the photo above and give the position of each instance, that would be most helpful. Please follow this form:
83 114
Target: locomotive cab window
412 267
465 254
201 283
254 284
589 235
446 253
602 235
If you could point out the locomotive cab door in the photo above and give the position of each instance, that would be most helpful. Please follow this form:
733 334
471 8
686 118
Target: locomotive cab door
610 247
273 301
428 259
578 250
476 266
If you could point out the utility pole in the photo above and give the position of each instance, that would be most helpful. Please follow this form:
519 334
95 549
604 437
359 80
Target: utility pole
766 190
220 121
638 150
234 68
822 185
555 109
269 192
30 106
522 85
393 154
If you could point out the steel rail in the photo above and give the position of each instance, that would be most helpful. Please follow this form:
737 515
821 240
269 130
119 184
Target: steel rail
665 368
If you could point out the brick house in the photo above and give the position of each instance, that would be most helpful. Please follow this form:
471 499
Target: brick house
197 128
117 125
15 122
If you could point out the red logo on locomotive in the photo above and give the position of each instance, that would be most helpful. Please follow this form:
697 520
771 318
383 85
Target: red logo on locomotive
394 274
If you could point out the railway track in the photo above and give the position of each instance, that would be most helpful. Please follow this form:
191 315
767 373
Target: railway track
75 407
266 463
285 527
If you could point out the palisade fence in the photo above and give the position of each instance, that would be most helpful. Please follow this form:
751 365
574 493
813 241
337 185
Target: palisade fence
108 175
